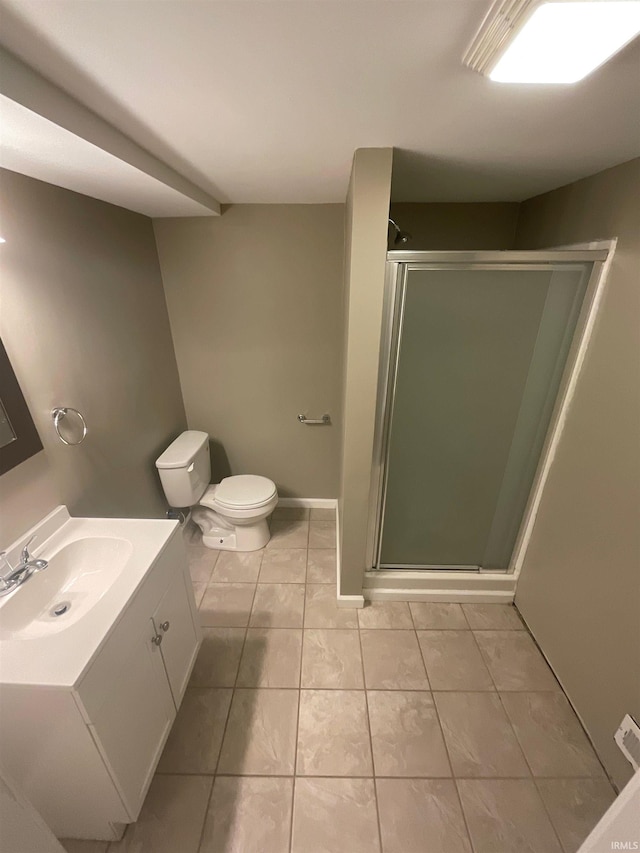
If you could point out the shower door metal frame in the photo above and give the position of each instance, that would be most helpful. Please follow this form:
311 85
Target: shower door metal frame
399 264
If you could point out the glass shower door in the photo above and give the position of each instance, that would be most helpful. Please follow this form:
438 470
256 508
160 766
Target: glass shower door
478 361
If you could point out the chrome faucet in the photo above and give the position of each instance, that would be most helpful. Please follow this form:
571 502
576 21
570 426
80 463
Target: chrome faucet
15 577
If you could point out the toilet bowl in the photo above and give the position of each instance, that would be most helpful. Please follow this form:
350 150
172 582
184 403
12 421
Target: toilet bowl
232 514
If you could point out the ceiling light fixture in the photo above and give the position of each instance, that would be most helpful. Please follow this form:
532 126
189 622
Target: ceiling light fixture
529 41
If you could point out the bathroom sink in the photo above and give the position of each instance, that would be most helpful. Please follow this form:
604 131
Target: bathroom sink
52 626
77 577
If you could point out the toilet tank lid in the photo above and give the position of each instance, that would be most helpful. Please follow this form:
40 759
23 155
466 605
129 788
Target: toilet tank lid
180 452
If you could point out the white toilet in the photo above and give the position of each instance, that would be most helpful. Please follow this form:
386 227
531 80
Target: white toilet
233 514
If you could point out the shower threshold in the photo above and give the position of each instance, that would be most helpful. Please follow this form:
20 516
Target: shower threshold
445 584
426 567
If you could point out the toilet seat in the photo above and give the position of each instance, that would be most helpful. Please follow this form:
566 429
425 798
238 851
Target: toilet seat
241 525
240 492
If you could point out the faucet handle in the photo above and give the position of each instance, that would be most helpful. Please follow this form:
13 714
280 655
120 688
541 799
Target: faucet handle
26 556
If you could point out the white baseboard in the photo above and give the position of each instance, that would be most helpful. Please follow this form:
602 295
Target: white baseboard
350 601
353 601
479 596
309 503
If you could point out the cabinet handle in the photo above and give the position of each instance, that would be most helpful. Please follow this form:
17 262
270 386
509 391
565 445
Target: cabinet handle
164 626
157 640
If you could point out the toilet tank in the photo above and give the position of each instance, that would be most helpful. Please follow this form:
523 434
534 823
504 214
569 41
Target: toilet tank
185 468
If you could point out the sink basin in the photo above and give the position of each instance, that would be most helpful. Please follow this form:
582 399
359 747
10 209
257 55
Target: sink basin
77 577
53 625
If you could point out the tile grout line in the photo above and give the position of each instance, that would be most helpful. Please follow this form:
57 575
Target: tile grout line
439 722
385 775
437 713
228 715
464 816
424 661
373 767
548 813
517 739
497 691
488 691
532 775
483 658
455 779
206 809
295 743
444 740
381 630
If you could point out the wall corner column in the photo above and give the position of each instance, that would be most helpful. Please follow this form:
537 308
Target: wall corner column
366 227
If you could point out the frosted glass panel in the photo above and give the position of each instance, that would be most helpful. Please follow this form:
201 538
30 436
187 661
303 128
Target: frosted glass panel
480 357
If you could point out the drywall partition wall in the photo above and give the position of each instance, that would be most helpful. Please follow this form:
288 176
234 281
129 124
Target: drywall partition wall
364 274
455 226
85 324
579 588
255 303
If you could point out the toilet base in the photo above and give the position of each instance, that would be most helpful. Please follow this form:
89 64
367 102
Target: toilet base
245 537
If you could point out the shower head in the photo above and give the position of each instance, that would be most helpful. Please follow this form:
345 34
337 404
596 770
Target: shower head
401 237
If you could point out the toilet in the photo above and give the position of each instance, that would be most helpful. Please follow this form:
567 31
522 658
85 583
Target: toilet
232 514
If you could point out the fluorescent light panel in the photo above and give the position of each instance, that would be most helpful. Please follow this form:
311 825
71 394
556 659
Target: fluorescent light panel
559 42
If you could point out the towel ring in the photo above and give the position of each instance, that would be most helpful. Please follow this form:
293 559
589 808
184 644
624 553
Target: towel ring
61 412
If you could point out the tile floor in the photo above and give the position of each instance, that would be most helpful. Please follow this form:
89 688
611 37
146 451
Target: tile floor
400 728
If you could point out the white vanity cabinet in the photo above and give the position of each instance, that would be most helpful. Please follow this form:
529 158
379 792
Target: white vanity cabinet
177 634
85 753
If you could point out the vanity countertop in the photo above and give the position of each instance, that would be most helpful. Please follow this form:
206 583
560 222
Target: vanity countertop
96 565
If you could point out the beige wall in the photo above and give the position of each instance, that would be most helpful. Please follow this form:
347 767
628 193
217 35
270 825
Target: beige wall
255 305
364 274
579 590
27 493
455 226
85 324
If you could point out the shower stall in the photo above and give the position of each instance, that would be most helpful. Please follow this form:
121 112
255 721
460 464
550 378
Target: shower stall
479 351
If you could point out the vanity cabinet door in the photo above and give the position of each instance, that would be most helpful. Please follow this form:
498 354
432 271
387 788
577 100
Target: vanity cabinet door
133 724
174 622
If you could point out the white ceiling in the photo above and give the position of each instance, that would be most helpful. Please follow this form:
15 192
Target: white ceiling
266 101
31 145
